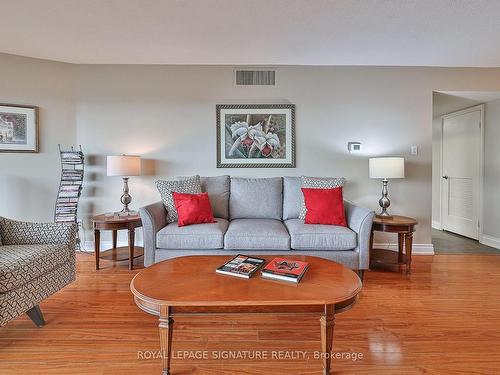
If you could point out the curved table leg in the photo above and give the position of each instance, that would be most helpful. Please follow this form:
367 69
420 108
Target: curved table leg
327 323
166 327
408 250
97 246
131 247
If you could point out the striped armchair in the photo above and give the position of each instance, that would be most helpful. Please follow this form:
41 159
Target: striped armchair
36 261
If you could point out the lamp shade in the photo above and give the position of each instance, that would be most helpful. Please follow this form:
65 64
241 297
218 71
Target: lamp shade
387 167
123 165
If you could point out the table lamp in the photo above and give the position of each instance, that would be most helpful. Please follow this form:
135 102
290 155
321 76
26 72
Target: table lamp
385 168
124 166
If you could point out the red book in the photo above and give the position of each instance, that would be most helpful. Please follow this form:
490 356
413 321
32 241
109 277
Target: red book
285 270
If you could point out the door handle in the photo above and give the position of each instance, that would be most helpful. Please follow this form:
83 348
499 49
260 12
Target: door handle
445 177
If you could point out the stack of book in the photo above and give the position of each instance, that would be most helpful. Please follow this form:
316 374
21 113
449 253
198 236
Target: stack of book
72 175
285 270
66 211
241 266
72 157
277 269
69 191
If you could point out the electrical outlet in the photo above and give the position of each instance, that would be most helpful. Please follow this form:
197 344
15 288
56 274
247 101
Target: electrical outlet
414 150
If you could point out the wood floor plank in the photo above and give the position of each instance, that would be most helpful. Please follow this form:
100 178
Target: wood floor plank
444 319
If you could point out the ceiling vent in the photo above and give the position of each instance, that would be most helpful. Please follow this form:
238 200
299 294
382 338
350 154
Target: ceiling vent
255 77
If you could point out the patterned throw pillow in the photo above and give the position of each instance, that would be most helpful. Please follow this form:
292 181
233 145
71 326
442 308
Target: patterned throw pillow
319 183
188 185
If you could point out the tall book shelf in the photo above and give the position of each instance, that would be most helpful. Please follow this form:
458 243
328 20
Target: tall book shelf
70 187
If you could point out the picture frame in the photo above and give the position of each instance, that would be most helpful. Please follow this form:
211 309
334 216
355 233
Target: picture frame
18 128
255 135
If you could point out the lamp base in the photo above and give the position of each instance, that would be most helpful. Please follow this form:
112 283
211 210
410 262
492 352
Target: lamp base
384 202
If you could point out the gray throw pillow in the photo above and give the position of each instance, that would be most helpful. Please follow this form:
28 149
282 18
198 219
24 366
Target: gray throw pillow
318 183
188 185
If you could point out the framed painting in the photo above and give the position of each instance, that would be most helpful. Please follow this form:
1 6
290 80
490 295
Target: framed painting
255 136
18 128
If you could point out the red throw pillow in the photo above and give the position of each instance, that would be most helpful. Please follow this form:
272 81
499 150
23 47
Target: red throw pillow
193 208
324 206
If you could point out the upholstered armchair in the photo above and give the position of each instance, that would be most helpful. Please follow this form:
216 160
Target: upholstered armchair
36 261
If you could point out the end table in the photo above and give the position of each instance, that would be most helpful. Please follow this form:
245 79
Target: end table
404 227
116 223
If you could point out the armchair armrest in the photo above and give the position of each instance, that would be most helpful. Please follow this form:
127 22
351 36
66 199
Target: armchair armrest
24 233
154 218
360 220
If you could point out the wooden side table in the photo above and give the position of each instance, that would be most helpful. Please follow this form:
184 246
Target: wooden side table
404 227
116 223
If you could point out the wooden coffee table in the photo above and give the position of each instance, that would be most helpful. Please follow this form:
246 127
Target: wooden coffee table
189 285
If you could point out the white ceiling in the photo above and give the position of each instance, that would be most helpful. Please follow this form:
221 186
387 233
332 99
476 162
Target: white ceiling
255 32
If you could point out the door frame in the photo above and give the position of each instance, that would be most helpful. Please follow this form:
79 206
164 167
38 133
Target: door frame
475 108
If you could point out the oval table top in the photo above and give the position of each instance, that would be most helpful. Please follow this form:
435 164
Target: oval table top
116 219
395 220
192 281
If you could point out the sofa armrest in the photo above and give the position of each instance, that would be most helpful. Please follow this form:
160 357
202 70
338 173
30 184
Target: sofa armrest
360 220
23 233
154 218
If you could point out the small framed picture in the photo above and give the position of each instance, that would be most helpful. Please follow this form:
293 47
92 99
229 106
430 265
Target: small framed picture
18 128
255 136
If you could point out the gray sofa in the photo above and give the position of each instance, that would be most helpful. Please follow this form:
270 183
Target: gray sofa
257 216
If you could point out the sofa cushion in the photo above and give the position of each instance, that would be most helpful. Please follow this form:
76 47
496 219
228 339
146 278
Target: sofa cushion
320 237
324 206
292 197
256 198
218 191
189 185
196 236
193 208
319 183
19 264
265 234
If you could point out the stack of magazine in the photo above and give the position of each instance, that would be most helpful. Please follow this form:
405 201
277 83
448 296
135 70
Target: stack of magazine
241 266
277 269
285 270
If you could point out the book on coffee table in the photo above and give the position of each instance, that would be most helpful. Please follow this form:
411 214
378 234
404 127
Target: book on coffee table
241 266
285 270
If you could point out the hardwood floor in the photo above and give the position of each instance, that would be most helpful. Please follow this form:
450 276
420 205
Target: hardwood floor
444 319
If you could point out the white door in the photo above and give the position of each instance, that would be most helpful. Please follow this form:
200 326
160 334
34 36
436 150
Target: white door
461 171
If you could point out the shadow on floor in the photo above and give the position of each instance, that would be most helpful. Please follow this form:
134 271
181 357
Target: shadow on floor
451 243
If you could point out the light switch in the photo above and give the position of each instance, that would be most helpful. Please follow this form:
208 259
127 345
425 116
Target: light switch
414 150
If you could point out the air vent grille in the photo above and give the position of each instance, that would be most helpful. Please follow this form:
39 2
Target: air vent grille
255 77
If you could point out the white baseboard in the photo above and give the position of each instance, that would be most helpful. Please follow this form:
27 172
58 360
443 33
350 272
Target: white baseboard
89 245
436 225
417 248
490 241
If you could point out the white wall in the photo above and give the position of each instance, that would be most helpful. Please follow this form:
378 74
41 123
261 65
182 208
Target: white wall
29 182
167 115
491 225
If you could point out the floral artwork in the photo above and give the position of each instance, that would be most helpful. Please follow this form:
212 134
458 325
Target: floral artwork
255 136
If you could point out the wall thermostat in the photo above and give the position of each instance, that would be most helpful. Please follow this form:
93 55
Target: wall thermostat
354 146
